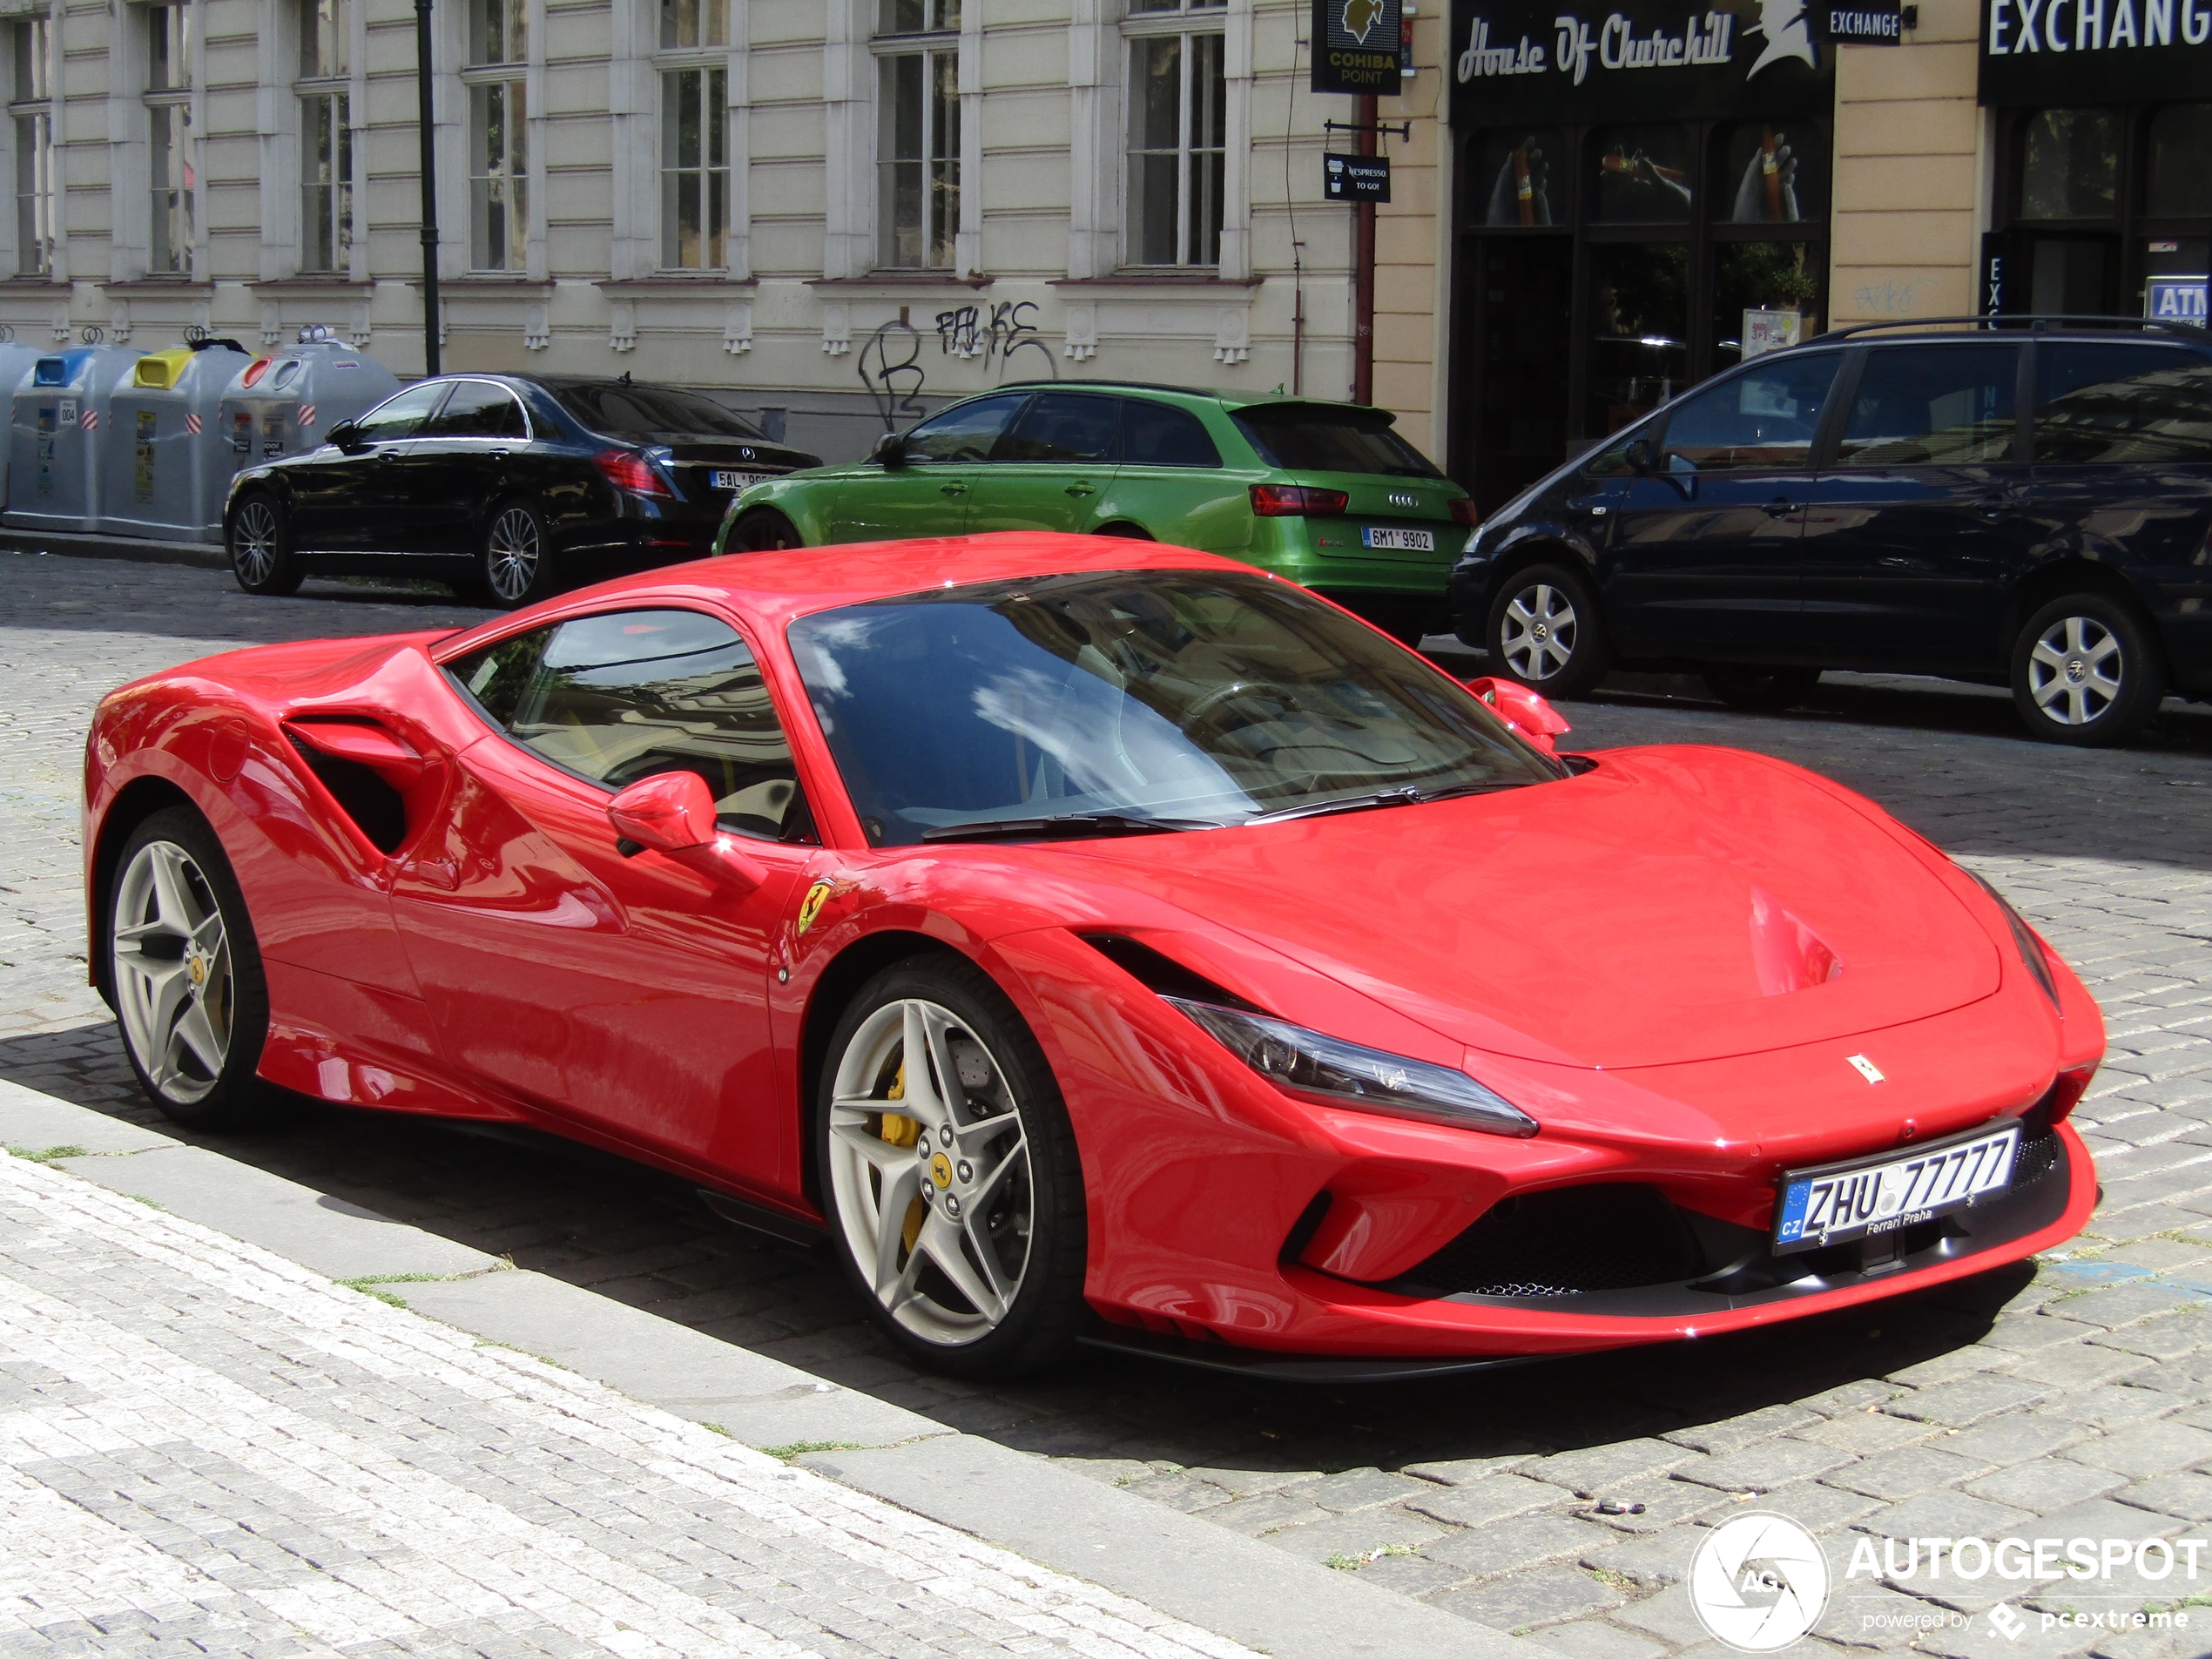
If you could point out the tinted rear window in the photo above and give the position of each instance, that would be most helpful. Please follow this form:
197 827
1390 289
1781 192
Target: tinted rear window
2116 403
652 414
1309 438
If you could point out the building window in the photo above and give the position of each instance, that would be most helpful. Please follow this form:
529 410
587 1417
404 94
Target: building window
31 108
694 62
917 46
168 101
499 181
1179 133
326 135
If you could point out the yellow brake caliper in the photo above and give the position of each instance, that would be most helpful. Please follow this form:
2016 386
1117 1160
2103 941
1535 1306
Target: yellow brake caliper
901 1130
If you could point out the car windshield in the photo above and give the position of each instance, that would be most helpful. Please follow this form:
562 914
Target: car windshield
652 414
1308 437
1200 699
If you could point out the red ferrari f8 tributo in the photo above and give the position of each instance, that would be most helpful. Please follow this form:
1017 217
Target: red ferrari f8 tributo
1097 941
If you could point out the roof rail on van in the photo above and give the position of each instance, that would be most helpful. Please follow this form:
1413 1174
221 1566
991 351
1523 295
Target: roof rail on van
2034 323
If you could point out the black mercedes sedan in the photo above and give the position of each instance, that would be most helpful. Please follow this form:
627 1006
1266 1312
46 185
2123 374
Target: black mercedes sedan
508 486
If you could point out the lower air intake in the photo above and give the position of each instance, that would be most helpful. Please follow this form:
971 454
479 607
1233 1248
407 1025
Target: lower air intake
1612 1236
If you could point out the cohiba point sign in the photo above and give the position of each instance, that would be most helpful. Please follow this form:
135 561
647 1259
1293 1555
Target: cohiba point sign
1552 63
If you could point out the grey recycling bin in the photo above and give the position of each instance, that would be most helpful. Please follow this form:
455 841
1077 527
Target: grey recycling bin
284 403
54 451
15 364
166 467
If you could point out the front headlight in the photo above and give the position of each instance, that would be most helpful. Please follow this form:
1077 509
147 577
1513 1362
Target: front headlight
2031 948
1307 1063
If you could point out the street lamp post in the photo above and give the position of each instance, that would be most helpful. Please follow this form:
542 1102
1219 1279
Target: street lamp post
430 189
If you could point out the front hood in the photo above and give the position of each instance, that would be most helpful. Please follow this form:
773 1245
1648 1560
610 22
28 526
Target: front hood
1675 904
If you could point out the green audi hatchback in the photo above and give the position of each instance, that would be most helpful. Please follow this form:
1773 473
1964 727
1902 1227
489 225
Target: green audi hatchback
1325 494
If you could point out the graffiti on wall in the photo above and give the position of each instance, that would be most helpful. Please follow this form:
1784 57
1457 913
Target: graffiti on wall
891 362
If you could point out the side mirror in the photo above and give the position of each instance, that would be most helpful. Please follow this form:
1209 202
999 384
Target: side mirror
672 813
1523 711
1641 455
890 450
346 435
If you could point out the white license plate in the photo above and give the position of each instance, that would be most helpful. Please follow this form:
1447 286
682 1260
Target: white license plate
1839 1201
721 479
1398 541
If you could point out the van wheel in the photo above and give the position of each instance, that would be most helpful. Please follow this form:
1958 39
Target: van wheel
2086 671
762 530
1545 633
261 547
516 565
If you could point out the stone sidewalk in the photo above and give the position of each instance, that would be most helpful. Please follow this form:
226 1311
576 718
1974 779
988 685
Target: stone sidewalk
207 1449
2072 1390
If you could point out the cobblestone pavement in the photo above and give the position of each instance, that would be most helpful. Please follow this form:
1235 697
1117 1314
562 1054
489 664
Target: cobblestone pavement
2071 1394
207 1449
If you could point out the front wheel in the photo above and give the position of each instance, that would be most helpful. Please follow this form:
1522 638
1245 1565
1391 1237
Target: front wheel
2086 671
1545 633
185 974
953 1190
516 564
761 531
261 547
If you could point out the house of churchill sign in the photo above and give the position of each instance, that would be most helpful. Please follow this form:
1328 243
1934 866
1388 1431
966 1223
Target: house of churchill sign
2094 52
1554 61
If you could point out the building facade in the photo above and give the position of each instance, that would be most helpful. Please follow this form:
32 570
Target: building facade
839 212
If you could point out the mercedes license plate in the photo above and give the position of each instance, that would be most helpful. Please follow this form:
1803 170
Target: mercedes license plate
1839 1201
1398 540
726 480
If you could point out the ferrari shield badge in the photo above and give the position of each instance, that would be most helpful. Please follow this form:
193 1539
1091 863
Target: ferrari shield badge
1860 1064
811 905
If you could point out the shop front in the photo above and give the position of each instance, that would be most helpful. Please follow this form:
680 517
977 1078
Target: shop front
2101 136
1642 197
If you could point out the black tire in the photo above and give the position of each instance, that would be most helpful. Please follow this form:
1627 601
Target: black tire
1760 690
514 564
259 541
762 530
1544 632
2087 670
1004 1073
222 982
1124 532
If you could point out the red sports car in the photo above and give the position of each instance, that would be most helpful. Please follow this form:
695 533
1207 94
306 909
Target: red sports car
1098 942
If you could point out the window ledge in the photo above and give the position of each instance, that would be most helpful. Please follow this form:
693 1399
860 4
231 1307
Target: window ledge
899 281
34 285
704 282
1157 280
316 283
149 287
490 282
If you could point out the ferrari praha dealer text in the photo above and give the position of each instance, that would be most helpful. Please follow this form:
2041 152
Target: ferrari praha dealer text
1644 190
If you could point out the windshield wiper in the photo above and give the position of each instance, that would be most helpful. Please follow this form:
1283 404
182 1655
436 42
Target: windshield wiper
1405 795
1060 823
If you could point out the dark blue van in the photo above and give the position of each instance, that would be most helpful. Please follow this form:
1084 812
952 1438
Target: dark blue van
2028 503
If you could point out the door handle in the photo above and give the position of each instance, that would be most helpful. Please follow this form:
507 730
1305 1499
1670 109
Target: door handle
499 455
1993 504
953 490
1781 507
1080 488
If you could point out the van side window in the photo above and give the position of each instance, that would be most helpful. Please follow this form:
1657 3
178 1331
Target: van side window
1933 406
2122 403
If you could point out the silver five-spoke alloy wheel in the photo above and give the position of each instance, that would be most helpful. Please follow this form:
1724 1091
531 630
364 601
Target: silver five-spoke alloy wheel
173 983
253 541
2074 669
929 1170
1538 631
512 552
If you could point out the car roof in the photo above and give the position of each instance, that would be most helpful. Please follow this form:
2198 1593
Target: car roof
1228 399
774 588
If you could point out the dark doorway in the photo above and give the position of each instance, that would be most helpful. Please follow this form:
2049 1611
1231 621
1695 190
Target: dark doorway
1519 310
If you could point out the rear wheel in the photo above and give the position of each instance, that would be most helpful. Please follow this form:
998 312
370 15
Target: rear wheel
185 974
516 565
2086 671
954 1194
1545 633
762 530
1762 691
261 547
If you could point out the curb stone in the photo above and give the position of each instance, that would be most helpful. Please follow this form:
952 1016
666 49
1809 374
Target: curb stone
1235 1587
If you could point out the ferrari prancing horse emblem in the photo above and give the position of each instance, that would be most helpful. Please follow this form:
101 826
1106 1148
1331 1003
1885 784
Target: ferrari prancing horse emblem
1866 1069
811 905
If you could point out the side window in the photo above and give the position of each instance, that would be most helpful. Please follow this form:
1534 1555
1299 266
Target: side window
1063 426
1159 434
401 414
1763 418
1933 406
631 694
477 409
2115 403
967 431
